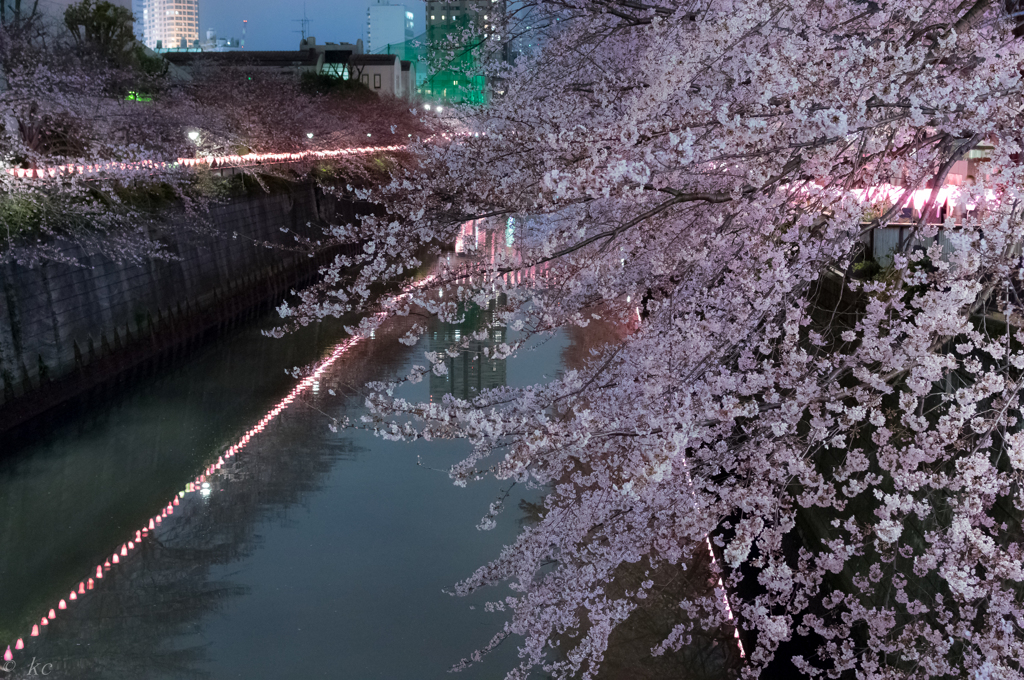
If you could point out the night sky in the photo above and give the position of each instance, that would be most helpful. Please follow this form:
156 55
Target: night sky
274 25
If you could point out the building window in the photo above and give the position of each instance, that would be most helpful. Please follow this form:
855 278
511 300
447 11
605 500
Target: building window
376 81
365 79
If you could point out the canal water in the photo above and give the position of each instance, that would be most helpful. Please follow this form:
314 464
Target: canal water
308 554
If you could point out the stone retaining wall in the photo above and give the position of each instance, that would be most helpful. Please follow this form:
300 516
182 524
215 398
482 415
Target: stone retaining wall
64 327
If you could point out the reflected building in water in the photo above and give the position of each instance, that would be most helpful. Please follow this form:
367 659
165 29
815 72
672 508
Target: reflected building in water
471 372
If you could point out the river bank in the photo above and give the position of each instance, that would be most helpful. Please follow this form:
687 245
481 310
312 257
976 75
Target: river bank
67 329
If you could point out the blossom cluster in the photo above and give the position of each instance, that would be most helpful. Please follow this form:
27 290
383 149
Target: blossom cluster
690 170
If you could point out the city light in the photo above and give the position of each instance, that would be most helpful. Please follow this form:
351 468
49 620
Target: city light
193 135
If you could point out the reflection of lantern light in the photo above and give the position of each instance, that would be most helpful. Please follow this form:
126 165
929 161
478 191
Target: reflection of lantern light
339 350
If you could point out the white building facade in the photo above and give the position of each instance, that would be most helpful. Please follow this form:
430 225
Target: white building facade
385 74
387 24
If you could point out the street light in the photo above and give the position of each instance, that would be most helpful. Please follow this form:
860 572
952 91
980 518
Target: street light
426 107
440 109
193 135
310 135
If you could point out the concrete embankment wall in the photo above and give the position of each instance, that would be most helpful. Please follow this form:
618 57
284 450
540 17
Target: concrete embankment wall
65 328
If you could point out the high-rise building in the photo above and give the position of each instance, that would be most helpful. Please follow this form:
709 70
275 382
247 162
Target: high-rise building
387 24
170 23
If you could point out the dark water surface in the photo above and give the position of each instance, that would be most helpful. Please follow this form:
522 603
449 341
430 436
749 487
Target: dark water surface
313 553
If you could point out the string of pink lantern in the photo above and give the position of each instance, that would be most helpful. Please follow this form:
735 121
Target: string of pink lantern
201 483
213 162
919 197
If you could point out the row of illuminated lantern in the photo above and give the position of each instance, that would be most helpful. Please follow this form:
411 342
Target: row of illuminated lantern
231 161
210 161
945 195
200 484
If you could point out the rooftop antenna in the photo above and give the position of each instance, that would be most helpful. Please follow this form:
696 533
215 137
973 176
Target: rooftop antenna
244 23
303 22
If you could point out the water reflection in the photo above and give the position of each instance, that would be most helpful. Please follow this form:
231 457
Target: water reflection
88 481
471 371
308 553
287 556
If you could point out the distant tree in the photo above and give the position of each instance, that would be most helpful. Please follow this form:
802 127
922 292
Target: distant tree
12 14
102 26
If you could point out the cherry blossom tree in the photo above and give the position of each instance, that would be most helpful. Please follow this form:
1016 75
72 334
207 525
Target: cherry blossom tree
66 105
694 170
93 99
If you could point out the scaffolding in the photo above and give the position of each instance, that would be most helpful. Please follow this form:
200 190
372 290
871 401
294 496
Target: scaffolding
439 77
